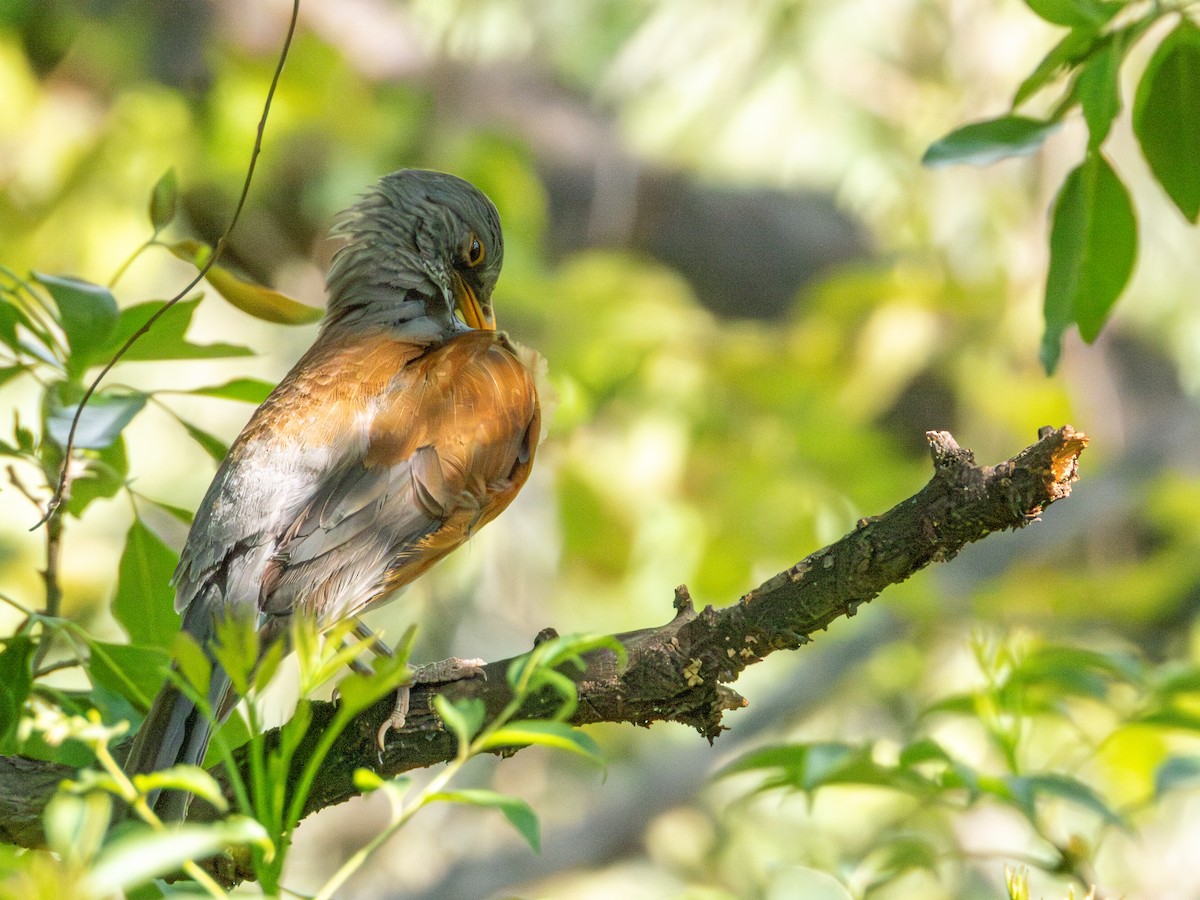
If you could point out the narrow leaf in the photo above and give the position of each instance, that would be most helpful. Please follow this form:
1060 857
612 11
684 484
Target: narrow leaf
982 143
213 446
545 734
1075 46
247 390
517 811
1093 244
163 201
1100 91
144 603
1166 117
262 302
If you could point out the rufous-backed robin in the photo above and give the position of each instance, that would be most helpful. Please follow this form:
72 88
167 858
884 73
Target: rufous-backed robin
407 426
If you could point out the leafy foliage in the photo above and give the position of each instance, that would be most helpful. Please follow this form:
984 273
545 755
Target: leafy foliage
1093 239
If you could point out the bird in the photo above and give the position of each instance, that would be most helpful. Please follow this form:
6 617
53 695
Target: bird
409 424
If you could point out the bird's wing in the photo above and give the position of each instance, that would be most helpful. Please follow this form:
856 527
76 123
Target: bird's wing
308 428
448 447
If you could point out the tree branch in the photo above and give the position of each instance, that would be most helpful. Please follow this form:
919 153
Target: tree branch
680 671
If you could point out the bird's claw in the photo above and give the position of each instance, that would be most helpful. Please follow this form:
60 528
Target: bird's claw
443 671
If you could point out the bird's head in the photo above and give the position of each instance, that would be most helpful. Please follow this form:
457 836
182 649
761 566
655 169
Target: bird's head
424 254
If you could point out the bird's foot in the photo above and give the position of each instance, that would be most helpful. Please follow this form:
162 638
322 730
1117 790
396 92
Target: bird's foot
443 671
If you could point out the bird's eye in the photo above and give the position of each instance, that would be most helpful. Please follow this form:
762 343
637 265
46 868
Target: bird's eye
476 252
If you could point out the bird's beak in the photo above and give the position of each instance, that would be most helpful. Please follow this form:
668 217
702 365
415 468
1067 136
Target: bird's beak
471 309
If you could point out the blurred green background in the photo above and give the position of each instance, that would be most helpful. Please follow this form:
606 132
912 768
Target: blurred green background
753 302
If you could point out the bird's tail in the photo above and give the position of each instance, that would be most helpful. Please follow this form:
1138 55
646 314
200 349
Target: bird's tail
175 732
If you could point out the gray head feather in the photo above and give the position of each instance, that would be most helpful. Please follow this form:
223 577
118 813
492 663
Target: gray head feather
408 238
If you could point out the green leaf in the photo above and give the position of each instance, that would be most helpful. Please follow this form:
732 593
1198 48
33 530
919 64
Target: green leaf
247 390
16 680
11 315
262 302
100 423
142 855
133 672
1050 674
236 649
922 751
517 811
1093 244
103 476
252 299
268 665
195 668
145 601
213 446
1177 772
545 734
88 314
462 719
1075 46
1166 117
1099 89
184 777
1026 790
166 339
163 201
982 143
75 825
1074 13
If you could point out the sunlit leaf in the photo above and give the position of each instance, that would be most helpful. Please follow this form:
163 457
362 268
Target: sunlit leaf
236 648
142 855
268 665
463 719
166 339
1166 116
982 143
88 314
194 665
76 824
923 751
184 777
252 299
163 200
247 390
545 734
1093 244
144 602
517 811
1074 13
